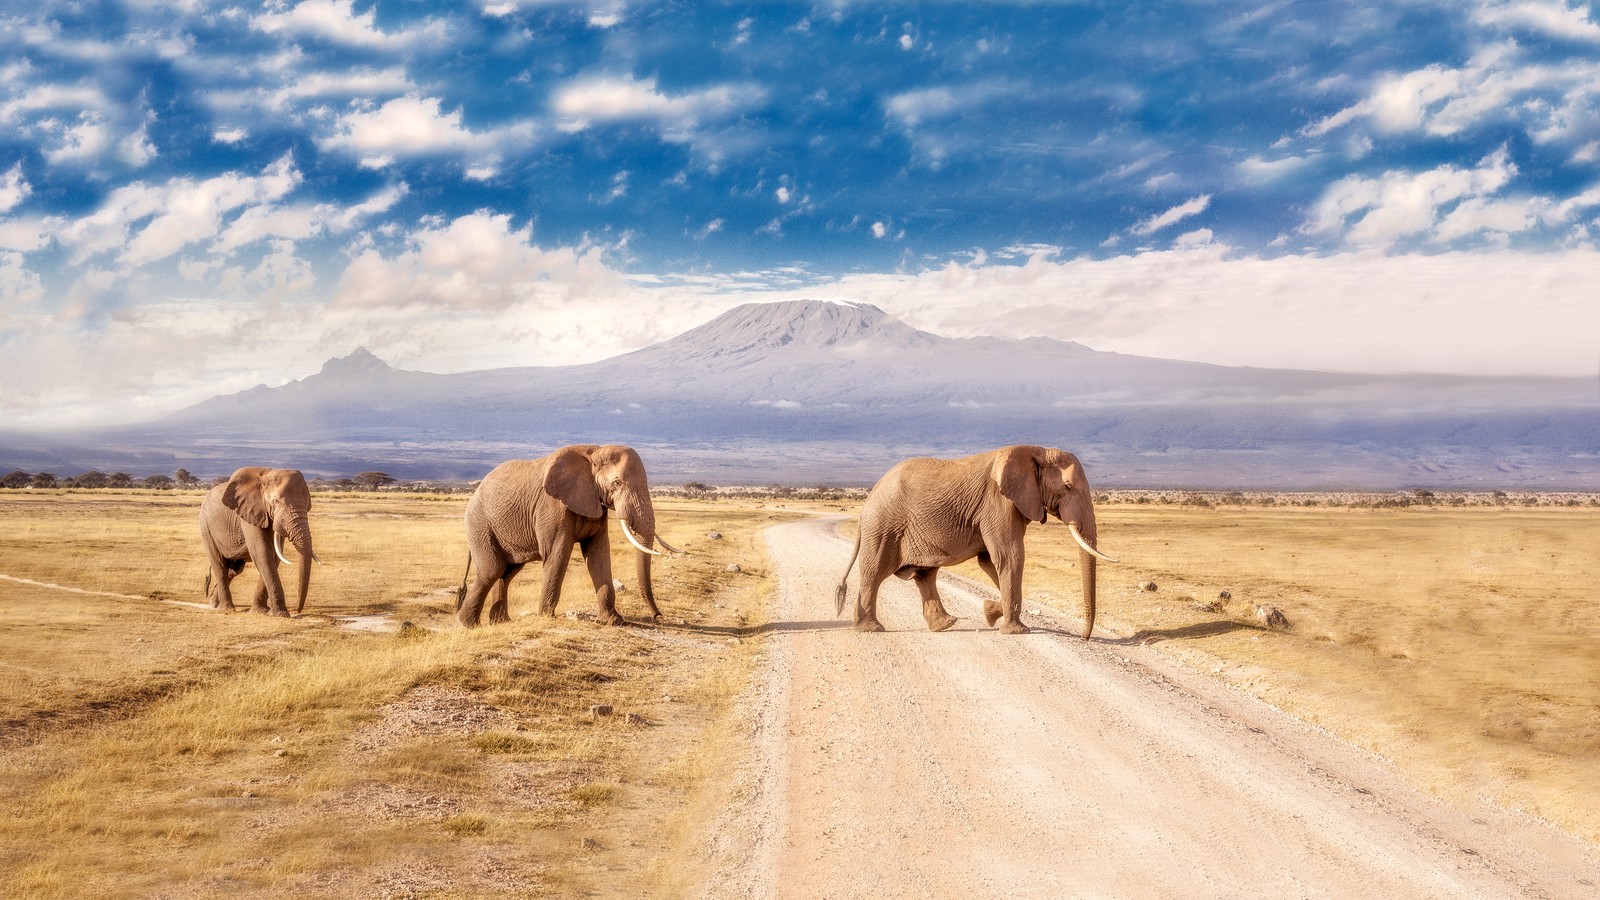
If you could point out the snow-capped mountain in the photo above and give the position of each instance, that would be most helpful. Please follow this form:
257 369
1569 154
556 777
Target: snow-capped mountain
819 391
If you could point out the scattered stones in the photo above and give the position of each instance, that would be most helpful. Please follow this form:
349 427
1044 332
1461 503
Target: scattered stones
1224 595
248 795
714 535
1272 617
735 568
409 630
600 710
1209 606
280 752
634 719
1147 585
618 586
580 615
589 844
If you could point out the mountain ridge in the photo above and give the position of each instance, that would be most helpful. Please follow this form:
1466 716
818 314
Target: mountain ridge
812 389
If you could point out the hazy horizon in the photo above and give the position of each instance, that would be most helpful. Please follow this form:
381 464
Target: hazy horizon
197 198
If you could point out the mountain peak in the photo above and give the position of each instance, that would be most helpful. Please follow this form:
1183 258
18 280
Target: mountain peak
359 362
810 324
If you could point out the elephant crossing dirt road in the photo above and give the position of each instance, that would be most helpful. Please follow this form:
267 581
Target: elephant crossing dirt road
973 764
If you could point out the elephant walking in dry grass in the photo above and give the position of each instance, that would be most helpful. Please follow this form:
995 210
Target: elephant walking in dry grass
927 513
247 518
531 510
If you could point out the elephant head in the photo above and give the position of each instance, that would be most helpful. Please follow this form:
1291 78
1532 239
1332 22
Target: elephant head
279 500
590 479
1043 480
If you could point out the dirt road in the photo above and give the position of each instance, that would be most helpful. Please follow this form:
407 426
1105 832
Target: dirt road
970 764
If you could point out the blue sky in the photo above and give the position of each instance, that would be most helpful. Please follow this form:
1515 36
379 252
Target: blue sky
196 196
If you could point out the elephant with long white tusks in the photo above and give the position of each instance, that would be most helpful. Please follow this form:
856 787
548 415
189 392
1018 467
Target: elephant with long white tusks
533 510
928 513
248 518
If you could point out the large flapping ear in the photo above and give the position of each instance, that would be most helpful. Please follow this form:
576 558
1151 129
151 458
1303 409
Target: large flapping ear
246 494
1016 471
569 477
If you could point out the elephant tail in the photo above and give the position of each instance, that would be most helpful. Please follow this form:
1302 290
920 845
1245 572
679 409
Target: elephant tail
843 591
461 592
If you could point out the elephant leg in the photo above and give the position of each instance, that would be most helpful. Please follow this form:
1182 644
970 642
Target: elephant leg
222 572
486 575
932 608
269 599
500 604
1010 571
597 558
867 597
991 609
555 571
262 600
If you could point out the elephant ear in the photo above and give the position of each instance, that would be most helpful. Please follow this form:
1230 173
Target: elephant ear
1016 471
246 494
570 478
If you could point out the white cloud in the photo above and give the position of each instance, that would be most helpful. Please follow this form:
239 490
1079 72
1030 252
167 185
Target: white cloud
414 125
1555 19
1499 83
879 229
337 21
475 262
143 223
229 135
1178 213
13 189
1377 212
605 98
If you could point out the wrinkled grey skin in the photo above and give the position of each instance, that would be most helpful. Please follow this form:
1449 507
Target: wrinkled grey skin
531 510
237 521
928 513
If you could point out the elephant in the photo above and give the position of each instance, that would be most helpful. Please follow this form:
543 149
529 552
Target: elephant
247 518
927 513
528 510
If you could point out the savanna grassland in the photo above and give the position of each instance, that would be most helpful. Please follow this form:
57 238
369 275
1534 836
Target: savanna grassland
1460 643
153 748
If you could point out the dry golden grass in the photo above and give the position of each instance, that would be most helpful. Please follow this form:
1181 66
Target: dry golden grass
151 748
1462 644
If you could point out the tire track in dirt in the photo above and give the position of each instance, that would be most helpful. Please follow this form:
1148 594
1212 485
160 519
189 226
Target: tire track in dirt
911 764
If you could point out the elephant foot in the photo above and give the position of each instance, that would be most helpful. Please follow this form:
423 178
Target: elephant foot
281 613
467 621
991 612
942 623
869 625
1014 628
609 617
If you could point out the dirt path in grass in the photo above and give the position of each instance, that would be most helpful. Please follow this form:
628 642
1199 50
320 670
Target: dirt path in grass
972 764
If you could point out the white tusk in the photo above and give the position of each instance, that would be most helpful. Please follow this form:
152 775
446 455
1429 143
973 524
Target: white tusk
670 548
277 544
315 559
633 540
1078 536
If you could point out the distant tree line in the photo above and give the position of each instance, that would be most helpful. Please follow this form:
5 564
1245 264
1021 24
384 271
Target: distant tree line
17 479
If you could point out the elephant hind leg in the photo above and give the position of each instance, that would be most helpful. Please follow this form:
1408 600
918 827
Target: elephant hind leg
991 612
484 578
933 611
500 605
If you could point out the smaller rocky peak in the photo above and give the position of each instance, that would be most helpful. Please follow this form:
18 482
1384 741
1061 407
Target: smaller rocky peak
359 362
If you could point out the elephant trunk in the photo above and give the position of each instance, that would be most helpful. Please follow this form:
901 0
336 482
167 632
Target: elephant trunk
640 518
1082 527
1086 562
298 533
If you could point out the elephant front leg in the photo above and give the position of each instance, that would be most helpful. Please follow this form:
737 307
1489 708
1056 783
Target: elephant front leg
597 558
1010 580
555 570
933 611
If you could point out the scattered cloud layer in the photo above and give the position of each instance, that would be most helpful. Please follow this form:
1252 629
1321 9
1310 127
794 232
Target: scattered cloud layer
197 196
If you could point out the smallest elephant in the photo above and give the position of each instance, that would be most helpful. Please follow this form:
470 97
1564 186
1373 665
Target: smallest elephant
247 518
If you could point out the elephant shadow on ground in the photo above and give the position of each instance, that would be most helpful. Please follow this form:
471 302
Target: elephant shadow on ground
1187 632
743 631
